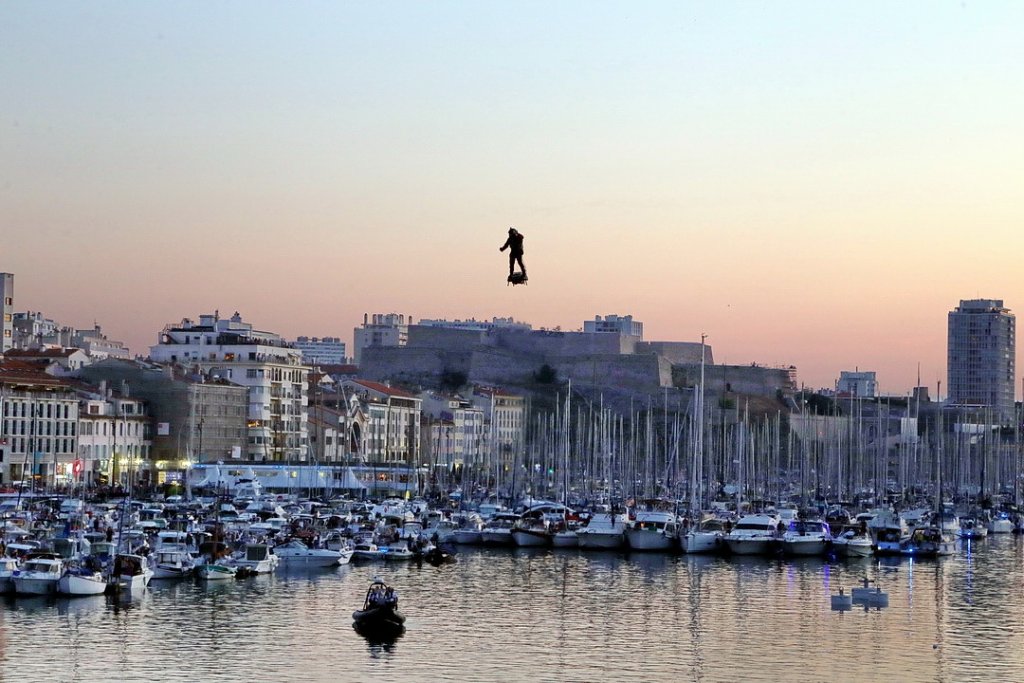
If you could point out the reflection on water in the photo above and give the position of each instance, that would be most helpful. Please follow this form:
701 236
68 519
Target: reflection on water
534 614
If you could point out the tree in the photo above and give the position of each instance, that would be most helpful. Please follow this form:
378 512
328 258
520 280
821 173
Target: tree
453 380
545 375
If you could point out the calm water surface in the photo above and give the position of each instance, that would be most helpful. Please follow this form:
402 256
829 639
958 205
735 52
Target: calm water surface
520 615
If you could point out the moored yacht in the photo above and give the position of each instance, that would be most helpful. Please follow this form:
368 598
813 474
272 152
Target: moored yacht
531 532
653 530
708 536
397 550
498 531
216 571
131 573
929 541
257 559
604 531
1001 524
295 553
8 565
853 543
81 580
889 530
754 535
468 533
38 575
806 537
972 529
172 563
565 536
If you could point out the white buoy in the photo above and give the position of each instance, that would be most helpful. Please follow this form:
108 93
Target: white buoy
842 602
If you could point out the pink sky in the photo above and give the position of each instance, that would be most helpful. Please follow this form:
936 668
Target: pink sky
806 186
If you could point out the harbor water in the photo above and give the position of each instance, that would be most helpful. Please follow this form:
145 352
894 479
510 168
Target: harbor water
548 615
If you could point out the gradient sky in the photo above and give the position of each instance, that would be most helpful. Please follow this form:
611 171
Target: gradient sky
809 183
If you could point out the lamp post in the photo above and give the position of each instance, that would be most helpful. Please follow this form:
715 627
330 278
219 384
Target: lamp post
200 428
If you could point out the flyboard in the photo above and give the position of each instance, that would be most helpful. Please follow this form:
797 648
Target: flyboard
517 278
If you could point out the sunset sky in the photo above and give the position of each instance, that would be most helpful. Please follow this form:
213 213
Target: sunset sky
809 183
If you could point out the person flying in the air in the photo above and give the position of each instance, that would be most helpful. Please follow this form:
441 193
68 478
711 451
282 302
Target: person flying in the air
514 244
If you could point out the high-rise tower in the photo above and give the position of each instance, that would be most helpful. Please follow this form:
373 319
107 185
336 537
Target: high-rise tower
6 312
981 348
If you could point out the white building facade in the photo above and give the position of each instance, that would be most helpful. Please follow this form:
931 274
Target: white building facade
456 428
321 350
383 329
615 324
114 440
390 434
505 415
270 368
858 384
38 428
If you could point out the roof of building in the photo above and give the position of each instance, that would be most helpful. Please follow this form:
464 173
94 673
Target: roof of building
384 389
339 369
19 372
41 353
494 391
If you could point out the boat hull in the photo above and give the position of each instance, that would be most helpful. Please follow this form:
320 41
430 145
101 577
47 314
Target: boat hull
565 539
1000 526
527 538
378 621
651 541
311 561
27 585
751 546
73 584
396 555
497 537
467 537
861 548
171 572
697 542
215 572
805 548
600 540
130 583
888 548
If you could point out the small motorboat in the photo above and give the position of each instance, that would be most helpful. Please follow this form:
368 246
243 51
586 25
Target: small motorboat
379 614
81 580
216 571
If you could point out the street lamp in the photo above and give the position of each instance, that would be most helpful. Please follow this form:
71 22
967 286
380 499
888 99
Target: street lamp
200 428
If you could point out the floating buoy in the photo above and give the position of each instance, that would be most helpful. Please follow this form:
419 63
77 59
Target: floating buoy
842 602
878 599
862 593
